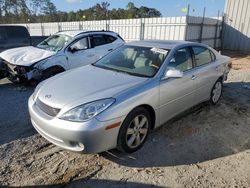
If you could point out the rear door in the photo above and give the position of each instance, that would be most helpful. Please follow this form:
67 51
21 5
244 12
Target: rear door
207 72
102 43
177 94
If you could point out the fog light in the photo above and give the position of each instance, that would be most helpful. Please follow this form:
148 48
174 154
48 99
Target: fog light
81 145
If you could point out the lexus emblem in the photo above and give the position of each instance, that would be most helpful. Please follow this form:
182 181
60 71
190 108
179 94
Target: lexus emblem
47 96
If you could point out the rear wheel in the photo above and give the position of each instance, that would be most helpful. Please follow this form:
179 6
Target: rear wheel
47 73
216 92
134 130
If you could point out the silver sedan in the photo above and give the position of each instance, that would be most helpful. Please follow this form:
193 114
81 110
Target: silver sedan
115 102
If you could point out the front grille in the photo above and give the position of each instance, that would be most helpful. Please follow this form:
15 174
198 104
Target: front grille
47 109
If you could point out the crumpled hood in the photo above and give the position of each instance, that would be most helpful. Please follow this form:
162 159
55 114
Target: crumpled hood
83 85
25 56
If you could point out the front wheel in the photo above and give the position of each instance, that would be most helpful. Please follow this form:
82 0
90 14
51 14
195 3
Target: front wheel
216 92
134 130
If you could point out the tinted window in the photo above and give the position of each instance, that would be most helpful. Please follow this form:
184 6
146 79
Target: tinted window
17 32
202 55
97 40
182 60
109 38
81 44
2 33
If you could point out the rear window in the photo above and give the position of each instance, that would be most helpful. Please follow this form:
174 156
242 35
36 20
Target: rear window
17 32
109 38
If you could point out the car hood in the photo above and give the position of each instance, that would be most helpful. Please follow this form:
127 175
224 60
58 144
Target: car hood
25 56
83 85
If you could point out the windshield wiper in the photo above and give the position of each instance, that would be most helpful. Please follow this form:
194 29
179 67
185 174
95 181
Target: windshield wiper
120 71
112 69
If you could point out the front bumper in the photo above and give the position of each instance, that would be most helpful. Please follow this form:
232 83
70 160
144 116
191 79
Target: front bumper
15 74
86 137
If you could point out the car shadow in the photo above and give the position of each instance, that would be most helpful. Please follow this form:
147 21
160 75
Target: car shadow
203 133
95 183
14 116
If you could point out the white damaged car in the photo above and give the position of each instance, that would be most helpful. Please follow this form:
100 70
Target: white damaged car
60 52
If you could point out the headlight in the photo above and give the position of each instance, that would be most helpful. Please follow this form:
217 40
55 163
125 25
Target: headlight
87 111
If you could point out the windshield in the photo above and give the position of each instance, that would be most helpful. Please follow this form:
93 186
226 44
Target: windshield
134 60
55 42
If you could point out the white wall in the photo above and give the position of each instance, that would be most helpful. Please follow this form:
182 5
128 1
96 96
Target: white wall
163 28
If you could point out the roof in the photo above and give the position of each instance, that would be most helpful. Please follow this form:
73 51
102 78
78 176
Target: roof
74 33
6 25
166 44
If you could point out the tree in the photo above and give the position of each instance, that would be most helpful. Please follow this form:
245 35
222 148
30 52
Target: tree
132 10
50 11
22 11
16 11
105 6
146 12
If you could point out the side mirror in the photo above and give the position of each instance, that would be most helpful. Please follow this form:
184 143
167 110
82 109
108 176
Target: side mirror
173 73
72 49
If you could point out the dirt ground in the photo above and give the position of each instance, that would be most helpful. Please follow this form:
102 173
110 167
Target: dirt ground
208 146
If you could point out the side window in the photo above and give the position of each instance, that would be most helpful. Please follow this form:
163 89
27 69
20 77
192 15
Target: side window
109 38
81 44
202 55
182 60
17 32
97 40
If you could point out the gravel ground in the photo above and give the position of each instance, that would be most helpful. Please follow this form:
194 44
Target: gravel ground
208 146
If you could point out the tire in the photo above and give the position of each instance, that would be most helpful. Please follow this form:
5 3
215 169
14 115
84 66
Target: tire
47 73
132 137
216 92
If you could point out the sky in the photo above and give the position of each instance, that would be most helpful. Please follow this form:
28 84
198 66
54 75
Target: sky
166 7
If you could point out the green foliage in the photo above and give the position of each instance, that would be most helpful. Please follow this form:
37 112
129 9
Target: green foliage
23 11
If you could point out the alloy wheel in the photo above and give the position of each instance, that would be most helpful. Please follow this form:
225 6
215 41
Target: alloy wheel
137 131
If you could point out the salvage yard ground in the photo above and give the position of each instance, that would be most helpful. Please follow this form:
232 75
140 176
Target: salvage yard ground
207 146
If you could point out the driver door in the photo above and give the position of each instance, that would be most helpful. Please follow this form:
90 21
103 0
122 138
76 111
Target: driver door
79 53
177 94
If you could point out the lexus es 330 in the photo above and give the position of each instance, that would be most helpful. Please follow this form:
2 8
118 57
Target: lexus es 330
115 102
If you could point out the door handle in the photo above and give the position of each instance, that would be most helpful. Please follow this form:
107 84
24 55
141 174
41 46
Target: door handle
217 68
110 50
193 77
